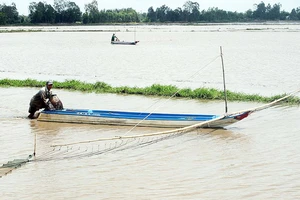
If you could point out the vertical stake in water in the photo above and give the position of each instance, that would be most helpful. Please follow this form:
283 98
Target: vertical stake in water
224 83
134 33
34 150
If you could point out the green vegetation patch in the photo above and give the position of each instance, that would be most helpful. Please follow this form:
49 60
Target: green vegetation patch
153 90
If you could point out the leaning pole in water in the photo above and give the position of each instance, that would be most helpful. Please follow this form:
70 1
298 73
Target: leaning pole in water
224 82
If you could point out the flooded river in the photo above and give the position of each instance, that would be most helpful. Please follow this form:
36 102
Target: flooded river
256 158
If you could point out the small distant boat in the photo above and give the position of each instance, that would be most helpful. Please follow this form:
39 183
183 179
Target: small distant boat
115 40
124 42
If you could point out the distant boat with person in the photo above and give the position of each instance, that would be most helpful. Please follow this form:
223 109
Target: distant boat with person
124 42
115 40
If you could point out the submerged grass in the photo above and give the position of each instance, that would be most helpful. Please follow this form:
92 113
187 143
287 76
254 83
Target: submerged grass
153 90
19 31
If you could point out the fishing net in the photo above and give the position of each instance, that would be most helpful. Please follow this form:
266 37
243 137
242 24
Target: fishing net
120 143
10 165
88 148
102 146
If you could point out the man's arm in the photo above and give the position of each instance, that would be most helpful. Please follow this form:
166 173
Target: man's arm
45 95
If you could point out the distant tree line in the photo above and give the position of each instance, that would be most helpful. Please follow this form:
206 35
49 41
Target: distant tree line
93 15
9 14
63 11
190 12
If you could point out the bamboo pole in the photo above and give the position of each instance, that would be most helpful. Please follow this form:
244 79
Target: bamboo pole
34 149
224 82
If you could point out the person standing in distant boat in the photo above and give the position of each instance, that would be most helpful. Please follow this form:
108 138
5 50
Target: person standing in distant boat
41 100
114 38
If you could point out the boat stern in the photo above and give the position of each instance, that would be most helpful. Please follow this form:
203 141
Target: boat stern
242 115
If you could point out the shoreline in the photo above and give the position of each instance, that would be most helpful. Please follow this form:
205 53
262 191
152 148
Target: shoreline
277 22
291 26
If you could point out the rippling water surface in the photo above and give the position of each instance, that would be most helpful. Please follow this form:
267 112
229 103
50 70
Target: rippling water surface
256 158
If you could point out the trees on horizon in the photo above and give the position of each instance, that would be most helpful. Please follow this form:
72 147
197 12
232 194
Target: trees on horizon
64 11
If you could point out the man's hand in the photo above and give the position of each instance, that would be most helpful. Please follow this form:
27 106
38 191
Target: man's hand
49 106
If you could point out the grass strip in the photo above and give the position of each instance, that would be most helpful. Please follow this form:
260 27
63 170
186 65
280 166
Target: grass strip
153 90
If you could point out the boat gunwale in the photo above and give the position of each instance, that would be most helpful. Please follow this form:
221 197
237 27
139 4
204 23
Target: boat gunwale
132 115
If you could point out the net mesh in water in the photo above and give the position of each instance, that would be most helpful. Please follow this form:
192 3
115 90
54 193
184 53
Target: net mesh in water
80 150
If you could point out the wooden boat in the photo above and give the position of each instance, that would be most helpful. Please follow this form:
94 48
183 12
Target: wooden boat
124 42
140 119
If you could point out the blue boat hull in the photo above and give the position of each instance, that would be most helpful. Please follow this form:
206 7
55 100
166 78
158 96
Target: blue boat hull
143 119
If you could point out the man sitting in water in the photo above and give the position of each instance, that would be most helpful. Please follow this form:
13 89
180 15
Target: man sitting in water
44 99
114 38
